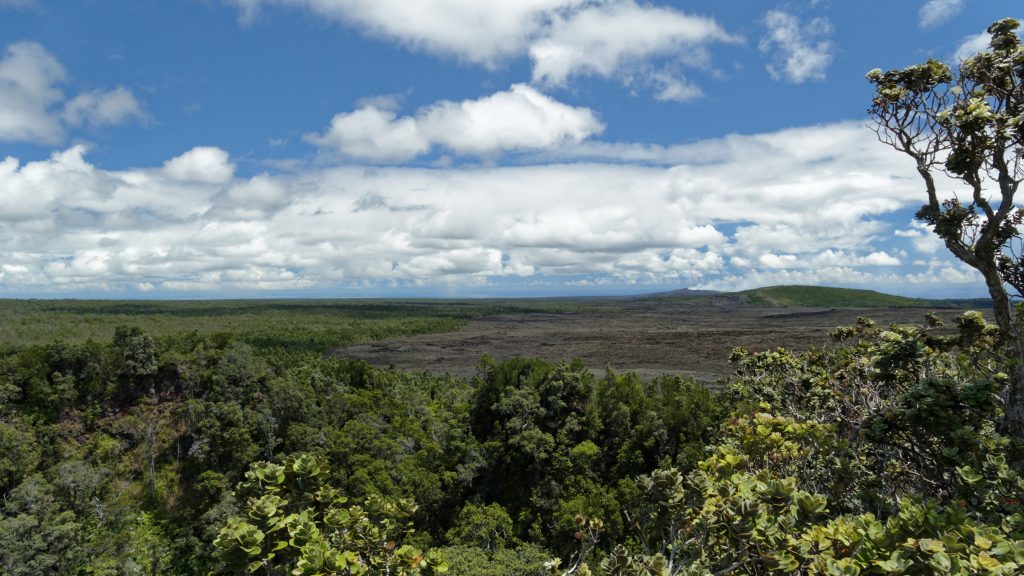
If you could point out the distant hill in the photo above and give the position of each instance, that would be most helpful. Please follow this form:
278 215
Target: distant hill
821 297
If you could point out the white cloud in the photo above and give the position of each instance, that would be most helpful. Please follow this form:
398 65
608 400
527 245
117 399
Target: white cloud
261 191
936 12
881 259
825 259
796 205
16 3
674 89
923 239
779 261
564 38
373 134
481 32
29 76
602 39
520 118
799 51
102 107
200 164
30 95
971 46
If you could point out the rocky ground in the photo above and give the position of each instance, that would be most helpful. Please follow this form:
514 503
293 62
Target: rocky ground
693 339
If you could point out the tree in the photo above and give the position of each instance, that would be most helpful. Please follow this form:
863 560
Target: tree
486 527
299 524
137 359
966 123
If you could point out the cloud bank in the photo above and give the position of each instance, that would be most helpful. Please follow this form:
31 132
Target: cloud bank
807 204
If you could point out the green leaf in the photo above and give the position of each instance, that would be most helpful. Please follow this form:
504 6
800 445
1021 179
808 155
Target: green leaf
941 561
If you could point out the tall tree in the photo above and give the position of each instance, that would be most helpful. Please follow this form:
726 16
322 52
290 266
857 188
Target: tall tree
964 125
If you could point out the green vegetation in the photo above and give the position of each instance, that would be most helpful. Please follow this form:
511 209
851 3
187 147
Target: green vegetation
826 297
297 325
814 297
284 324
298 521
205 450
124 455
962 128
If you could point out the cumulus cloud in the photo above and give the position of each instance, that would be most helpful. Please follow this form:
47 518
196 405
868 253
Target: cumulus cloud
200 164
371 133
481 32
879 259
826 259
28 88
520 118
102 107
30 94
799 51
602 39
564 38
799 205
937 12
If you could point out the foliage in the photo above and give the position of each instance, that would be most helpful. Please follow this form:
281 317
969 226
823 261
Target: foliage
119 457
486 527
558 441
967 123
467 560
826 297
723 520
910 403
299 524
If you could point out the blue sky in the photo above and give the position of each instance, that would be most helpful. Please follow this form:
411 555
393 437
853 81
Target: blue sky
224 148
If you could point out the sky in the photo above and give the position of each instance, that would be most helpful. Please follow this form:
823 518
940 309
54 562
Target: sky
463 148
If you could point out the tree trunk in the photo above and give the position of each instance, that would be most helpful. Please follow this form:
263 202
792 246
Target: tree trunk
1013 396
151 455
1013 403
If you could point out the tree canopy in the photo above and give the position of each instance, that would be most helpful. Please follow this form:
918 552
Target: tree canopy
963 126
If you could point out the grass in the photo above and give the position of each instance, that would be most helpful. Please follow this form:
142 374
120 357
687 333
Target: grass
827 297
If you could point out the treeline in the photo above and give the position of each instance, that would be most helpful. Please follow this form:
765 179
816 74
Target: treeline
199 454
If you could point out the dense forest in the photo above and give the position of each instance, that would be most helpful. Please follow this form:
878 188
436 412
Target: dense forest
180 438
